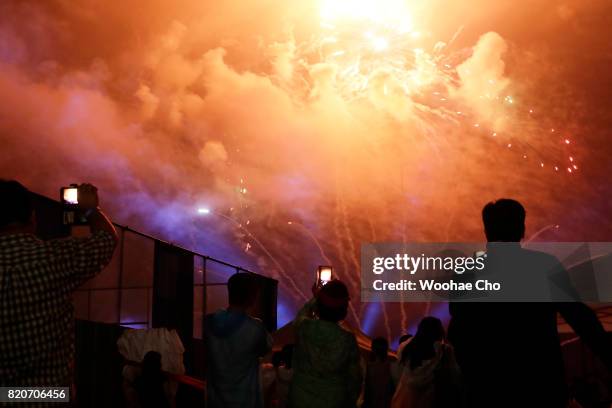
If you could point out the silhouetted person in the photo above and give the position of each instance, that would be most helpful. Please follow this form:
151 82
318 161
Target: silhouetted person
430 376
36 283
150 384
234 343
509 353
379 385
282 361
326 371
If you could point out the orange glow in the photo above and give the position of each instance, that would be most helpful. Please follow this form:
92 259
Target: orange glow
367 120
388 13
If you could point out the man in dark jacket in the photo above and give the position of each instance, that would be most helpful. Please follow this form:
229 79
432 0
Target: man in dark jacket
509 353
234 343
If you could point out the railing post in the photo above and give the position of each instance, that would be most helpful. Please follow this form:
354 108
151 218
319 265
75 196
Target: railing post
120 283
204 296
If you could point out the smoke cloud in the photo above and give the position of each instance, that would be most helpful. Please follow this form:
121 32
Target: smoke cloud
189 104
482 79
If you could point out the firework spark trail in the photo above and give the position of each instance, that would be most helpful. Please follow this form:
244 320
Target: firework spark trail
386 319
351 245
339 243
315 240
355 288
341 252
383 305
340 249
241 227
355 283
453 210
288 258
282 271
324 257
527 125
540 232
354 313
373 239
456 35
403 316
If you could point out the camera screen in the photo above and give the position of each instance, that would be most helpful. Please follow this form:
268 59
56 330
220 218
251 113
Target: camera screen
325 275
70 195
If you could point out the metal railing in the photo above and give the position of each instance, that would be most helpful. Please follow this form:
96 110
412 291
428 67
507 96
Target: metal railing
119 288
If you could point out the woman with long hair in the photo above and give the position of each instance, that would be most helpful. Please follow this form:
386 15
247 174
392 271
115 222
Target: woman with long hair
430 375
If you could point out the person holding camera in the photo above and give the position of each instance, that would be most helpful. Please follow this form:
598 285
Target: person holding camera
36 283
326 362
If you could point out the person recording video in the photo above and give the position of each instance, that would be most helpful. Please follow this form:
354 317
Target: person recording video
326 362
36 283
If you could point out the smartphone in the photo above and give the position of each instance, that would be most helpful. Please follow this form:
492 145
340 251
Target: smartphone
70 195
72 214
324 275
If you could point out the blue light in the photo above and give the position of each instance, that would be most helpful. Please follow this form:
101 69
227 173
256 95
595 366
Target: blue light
371 315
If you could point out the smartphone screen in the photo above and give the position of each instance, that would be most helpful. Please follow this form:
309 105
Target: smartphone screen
325 274
70 195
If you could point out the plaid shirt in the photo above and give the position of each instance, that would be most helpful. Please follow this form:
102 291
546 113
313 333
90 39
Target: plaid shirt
36 313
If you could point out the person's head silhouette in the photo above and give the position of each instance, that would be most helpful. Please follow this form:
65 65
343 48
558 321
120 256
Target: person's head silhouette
332 301
504 220
151 363
380 348
242 290
16 208
422 345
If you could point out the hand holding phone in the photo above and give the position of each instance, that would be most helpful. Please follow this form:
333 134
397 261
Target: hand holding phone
79 202
88 196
